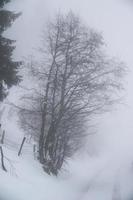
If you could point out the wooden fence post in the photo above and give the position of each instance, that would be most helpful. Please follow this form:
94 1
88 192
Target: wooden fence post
21 146
2 159
2 138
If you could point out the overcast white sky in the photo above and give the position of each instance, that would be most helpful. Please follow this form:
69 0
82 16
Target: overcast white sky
114 19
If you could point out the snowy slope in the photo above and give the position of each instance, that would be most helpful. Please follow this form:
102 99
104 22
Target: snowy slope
94 179
101 177
26 180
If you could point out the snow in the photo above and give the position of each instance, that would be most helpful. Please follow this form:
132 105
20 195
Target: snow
25 178
28 181
86 177
83 178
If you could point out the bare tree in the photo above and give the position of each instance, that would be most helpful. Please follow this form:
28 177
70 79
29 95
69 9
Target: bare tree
75 81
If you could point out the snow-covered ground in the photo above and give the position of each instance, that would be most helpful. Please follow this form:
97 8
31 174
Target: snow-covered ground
83 178
25 178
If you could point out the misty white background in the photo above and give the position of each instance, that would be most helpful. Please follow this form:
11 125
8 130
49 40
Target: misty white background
114 20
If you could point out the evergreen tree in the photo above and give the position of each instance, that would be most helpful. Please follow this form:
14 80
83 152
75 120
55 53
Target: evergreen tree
2 2
8 68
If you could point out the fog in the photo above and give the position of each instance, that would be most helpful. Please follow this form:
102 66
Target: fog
112 18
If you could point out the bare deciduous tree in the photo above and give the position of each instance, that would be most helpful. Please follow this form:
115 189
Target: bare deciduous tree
76 80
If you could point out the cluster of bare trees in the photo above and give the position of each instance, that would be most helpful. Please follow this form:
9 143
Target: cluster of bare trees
75 80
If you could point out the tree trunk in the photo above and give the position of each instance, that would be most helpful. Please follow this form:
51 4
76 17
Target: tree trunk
41 149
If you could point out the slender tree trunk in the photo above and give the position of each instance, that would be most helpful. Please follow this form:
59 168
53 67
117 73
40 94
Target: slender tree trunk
44 113
41 148
41 138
